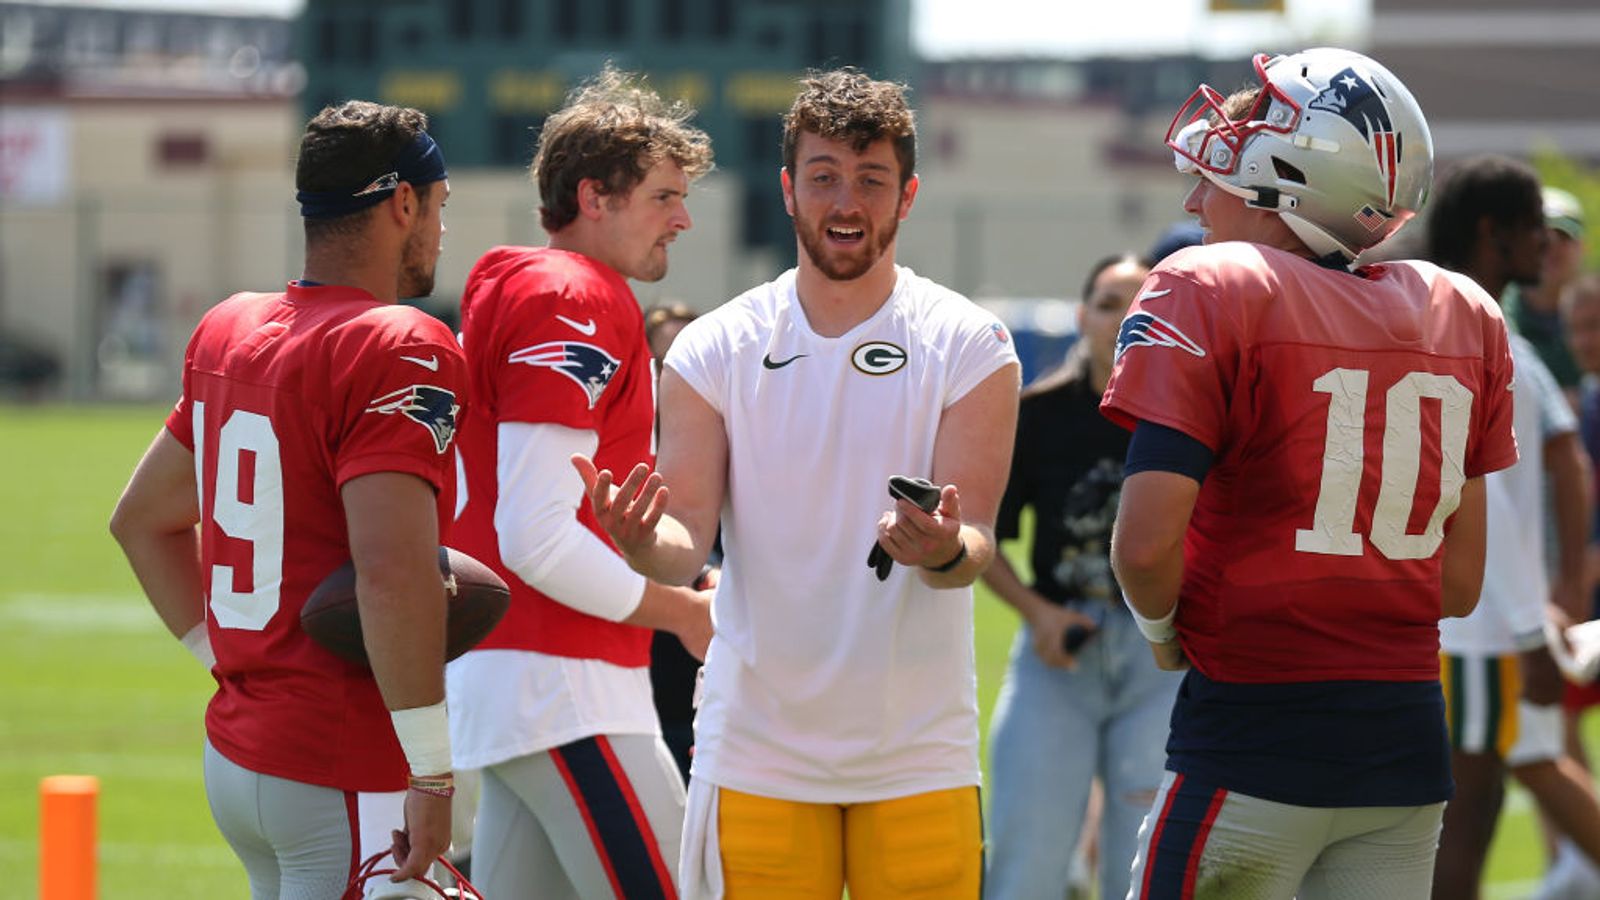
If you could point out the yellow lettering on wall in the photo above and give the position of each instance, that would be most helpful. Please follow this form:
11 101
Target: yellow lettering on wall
516 91
761 92
436 91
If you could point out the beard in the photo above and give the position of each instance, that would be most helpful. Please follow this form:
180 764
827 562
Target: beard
841 267
417 265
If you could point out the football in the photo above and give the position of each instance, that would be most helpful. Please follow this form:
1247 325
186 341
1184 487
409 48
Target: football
477 599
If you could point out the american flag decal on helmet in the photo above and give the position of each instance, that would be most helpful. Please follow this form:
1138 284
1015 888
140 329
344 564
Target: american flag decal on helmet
591 367
1356 100
1150 330
1372 219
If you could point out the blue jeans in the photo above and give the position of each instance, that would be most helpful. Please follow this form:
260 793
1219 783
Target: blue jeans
1053 732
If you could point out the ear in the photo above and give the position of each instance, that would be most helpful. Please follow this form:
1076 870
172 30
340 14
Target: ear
591 198
788 190
908 196
404 204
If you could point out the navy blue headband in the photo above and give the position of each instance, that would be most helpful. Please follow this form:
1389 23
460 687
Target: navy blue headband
419 163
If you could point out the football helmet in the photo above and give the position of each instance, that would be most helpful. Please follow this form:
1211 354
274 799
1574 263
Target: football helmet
379 864
1333 142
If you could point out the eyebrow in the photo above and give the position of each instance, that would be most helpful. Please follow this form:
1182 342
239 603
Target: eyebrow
829 158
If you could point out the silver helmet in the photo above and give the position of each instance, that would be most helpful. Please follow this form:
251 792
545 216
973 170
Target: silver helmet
1333 142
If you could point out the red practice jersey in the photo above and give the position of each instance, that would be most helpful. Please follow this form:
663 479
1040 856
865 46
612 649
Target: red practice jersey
1345 412
285 398
552 337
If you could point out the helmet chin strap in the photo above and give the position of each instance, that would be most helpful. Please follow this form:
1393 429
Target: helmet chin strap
1318 241
1255 197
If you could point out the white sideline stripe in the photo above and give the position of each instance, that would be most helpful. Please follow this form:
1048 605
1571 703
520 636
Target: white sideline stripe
194 856
112 613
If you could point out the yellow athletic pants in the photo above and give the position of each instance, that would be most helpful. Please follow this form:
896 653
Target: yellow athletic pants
920 847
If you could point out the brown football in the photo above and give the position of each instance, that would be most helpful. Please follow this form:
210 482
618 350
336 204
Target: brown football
477 598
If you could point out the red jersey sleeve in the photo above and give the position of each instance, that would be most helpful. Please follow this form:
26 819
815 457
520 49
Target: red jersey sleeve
404 382
1493 446
560 348
1177 360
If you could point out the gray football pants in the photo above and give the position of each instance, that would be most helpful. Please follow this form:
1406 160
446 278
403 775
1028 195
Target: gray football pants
295 839
600 817
1211 844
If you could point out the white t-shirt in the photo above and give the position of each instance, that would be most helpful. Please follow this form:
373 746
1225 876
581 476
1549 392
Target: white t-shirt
822 683
1511 610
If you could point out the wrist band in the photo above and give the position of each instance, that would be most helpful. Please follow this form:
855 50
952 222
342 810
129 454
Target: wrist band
424 733
954 560
198 642
1156 631
435 785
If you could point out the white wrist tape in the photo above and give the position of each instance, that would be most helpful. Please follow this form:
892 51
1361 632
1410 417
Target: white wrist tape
424 733
198 642
1156 631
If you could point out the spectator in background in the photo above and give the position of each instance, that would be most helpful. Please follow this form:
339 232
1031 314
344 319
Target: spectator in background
1573 875
672 668
1097 707
1533 309
1488 223
1178 235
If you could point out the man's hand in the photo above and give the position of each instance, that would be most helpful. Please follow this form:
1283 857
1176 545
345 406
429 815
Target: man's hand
912 537
426 836
1169 656
1542 683
628 512
1049 625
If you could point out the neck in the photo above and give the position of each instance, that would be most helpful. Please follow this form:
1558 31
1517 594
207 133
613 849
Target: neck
1099 374
834 307
344 264
1493 283
577 238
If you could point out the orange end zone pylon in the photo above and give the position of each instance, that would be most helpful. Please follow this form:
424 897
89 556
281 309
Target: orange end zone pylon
67 837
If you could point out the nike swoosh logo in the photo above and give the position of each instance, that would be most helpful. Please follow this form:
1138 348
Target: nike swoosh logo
769 363
584 328
1151 295
431 363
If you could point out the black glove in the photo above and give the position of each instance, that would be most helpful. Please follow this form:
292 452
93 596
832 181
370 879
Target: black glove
919 492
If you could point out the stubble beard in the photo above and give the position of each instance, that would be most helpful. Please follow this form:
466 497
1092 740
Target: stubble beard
844 268
416 268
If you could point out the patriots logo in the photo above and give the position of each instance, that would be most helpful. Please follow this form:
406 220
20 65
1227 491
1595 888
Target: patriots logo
434 408
1355 100
591 367
1148 329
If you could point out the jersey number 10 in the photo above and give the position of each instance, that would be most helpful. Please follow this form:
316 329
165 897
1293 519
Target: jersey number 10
1332 530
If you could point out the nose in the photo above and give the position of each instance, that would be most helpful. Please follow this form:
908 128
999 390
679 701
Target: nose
1191 202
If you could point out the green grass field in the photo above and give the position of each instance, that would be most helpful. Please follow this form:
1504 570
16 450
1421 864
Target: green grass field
94 685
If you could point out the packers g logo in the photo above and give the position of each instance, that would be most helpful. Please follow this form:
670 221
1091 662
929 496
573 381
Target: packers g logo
878 358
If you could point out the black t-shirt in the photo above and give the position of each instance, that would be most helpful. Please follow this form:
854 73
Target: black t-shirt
1068 467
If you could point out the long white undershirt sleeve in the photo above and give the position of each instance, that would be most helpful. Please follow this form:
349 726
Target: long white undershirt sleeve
540 537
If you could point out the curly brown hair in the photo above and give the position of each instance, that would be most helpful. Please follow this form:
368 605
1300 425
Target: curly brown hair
847 105
613 129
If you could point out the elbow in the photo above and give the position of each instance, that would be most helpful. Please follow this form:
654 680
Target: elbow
1134 556
123 524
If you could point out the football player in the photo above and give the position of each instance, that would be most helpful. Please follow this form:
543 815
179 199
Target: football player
836 743
1304 495
580 796
314 428
1502 687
